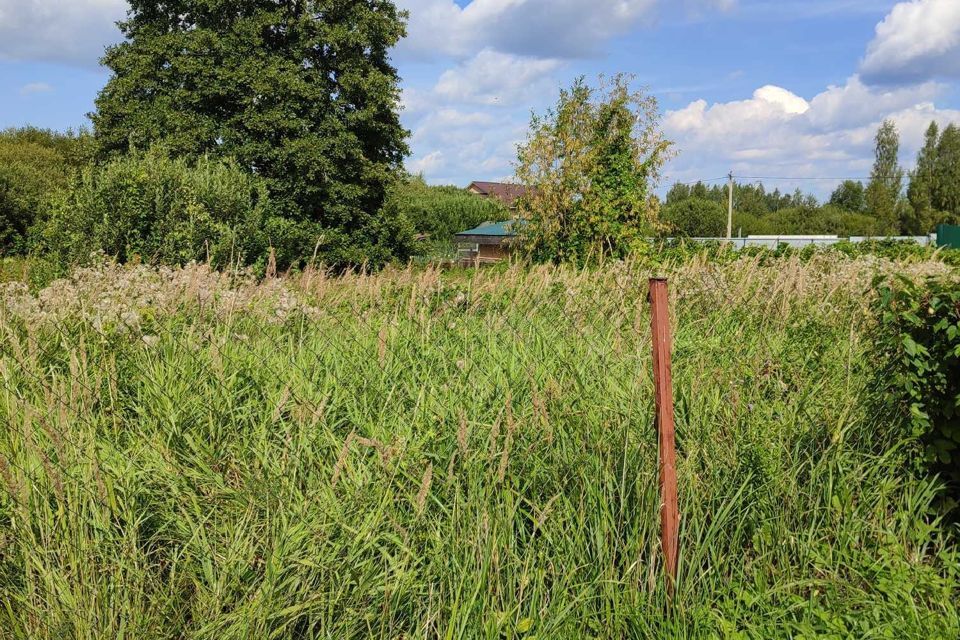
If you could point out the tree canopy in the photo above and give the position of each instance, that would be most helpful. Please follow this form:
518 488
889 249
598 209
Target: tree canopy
590 163
301 93
886 180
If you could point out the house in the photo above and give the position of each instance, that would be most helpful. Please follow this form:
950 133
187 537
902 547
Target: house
508 194
490 242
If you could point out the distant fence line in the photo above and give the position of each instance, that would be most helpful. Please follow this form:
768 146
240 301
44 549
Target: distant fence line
772 242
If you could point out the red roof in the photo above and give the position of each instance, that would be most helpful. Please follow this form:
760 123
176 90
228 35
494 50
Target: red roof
505 193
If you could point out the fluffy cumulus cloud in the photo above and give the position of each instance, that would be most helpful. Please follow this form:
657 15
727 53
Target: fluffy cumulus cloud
778 133
544 28
494 78
67 31
918 40
454 146
497 59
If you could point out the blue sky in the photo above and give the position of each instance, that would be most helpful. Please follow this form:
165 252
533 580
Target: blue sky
784 88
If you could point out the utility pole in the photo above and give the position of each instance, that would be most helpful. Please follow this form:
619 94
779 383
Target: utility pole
730 208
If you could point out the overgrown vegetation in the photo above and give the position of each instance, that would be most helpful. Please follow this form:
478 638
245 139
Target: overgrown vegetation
459 455
919 367
149 207
34 163
438 212
301 94
590 164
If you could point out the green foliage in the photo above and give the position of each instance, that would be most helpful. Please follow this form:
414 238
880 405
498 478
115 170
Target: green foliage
826 220
156 209
919 352
849 196
946 187
923 216
590 163
34 163
886 181
301 94
695 217
698 217
425 454
439 212
752 199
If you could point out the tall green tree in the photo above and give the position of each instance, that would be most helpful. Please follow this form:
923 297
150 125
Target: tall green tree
886 180
946 187
849 196
301 92
923 178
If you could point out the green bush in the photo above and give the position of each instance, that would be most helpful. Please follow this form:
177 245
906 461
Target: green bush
153 208
695 218
919 350
820 220
33 165
437 212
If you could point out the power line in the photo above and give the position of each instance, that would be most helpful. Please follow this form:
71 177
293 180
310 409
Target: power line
817 178
705 180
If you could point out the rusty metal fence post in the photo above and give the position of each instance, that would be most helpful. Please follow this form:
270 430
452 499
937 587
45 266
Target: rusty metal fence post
666 435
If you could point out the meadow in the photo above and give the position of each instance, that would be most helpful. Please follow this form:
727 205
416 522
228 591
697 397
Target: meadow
419 453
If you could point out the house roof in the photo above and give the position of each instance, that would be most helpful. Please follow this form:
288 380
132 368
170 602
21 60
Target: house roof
502 228
505 193
489 232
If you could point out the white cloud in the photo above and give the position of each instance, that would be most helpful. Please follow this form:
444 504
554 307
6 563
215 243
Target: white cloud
430 163
455 146
34 88
778 133
68 31
494 78
918 40
543 28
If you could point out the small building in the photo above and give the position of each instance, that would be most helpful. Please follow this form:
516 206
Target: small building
490 242
508 194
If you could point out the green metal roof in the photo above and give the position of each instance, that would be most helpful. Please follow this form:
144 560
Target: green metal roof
502 228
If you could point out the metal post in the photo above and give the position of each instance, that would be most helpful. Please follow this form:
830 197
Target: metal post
663 398
730 207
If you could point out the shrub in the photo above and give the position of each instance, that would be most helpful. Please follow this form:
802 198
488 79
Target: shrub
591 162
439 212
33 165
696 218
153 208
820 220
919 350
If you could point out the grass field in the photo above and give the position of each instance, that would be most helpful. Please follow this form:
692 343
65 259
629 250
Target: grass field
417 454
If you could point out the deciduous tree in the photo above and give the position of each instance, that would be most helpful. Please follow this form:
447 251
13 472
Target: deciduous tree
886 180
301 92
590 163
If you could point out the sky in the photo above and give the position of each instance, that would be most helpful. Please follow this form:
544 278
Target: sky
787 91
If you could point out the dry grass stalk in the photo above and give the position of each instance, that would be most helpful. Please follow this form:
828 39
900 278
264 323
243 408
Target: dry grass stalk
463 434
508 442
424 488
342 459
281 403
382 344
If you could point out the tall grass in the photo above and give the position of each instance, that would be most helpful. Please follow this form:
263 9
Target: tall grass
455 455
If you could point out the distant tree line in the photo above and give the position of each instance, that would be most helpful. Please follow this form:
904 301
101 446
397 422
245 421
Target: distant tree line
891 203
